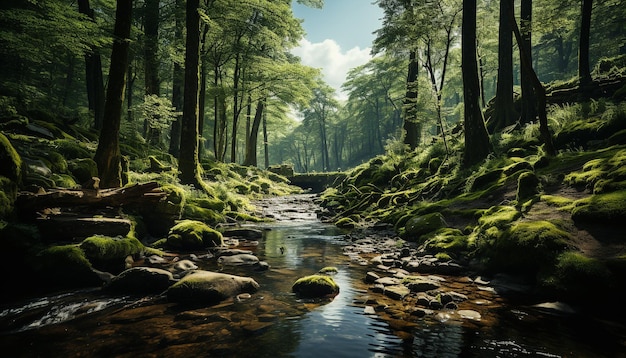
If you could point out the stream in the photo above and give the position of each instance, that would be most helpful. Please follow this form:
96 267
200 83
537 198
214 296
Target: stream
274 323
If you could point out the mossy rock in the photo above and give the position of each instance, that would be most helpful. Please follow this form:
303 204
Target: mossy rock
447 241
10 160
65 267
346 223
516 167
315 286
141 280
526 247
607 208
579 277
8 195
421 225
193 235
173 202
64 181
328 270
72 149
499 216
487 179
83 169
527 186
203 288
104 248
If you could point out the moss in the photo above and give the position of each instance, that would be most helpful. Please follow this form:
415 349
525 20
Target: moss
558 201
315 286
173 202
58 164
193 235
420 225
64 181
10 160
104 248
57 264
328 270
527 186
448 241
499 216
601 208
241 216
579 277
195 212
83 169
72 149
8 195
346 223
524 248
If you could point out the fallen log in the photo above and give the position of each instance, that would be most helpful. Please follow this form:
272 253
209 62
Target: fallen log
142 195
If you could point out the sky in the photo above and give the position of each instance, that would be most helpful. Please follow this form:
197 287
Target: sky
338 37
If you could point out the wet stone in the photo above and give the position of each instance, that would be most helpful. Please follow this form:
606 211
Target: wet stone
396 292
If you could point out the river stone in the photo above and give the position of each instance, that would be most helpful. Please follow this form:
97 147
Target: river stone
180 267
396 292
141 280
238 260
371 277
232 252
209 288
421 284
315 286
387 281
469 314
243 232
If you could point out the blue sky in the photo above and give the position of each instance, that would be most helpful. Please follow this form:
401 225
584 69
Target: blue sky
338 37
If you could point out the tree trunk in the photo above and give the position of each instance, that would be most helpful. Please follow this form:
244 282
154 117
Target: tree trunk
266 148
411 126
151 64
233 145
188 158
177 86
254 132
108 157
529 109
477 145
504 110
93 73
584 74
540 91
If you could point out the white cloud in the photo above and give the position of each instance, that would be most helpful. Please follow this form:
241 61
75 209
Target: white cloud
335 64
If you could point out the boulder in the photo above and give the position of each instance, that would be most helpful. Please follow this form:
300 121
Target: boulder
315 286
193 235
420 225
238 260
140 280
209 288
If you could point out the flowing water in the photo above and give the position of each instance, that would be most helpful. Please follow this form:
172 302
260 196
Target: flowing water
275 323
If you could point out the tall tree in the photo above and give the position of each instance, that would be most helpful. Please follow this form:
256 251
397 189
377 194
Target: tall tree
504 113
108 156
151 61
584 70
477 144
411 125
528 102
188 164
93 73
178 76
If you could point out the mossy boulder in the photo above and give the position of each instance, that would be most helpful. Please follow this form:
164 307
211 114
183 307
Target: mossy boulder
193 235
315 286
8 195
484 180
83 169
202 288
602 208
104 248
72 149
346 223
424 224
499 216
65 267
141 280
526 247
527 186
10 160
446 241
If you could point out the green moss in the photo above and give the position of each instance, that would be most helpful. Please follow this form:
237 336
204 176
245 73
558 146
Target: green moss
174 201
64 181
328 270
558 201
56 264
193 235
601 208
315 286
525 248
346 223
420 225
448 241
8 195
527 186
72 149
83 169
579 277
10 160
499 216
104 248
58 164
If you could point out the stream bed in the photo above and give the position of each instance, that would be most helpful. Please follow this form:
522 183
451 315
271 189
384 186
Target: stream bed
273 322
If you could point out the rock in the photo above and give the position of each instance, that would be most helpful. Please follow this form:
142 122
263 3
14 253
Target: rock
181 267
469 314
315 286
238 260
209 288
244 232
141 280
232 252
420 225
387 281
371 277
420 284
396 292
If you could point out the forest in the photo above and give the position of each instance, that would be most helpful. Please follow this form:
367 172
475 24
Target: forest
491 134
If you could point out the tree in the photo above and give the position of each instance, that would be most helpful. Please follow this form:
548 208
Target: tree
178 75
477 144
108 156
584 71
151 61
528 102
504 113
188 163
